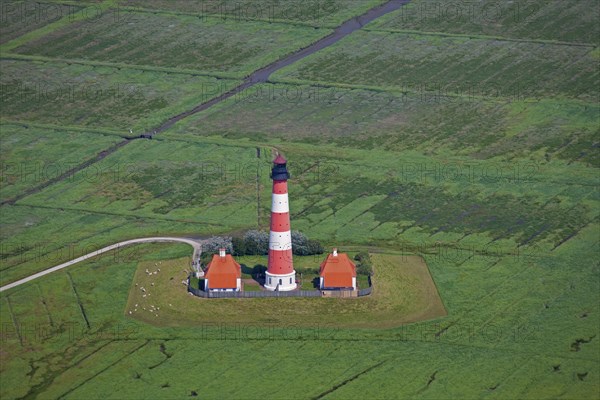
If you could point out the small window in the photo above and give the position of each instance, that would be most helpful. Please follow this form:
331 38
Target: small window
280 282
290 281
270 281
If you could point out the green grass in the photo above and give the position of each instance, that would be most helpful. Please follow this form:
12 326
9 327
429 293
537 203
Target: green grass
404 293
251 288
500 337
31 156
510 241
184 42
485 67
19 17
427 122
34 239
574 21
490 207
59 93
316 13
138 182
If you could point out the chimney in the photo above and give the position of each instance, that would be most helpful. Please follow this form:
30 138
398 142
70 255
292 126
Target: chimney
221 252
335 251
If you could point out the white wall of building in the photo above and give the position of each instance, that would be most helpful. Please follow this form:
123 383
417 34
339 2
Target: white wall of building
288 282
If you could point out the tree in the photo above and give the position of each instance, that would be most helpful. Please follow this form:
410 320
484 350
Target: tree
314 247
256 242
239 246
363 265
212 245
299 244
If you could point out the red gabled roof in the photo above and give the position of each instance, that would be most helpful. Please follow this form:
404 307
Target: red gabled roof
337 271
279 160
223 272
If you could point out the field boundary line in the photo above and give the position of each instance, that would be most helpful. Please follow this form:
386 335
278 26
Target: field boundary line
62 396
565 356
83 314
137 67
225 17
25 204
53 26
68 128
403 91
481 37
346 381
14 320
43 300
101 155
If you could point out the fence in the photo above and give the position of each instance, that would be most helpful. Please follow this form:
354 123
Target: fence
292 293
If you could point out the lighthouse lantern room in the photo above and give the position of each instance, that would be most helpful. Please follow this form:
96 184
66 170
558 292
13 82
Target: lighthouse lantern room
280 273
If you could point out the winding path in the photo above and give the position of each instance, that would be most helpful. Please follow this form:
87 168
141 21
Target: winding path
196 244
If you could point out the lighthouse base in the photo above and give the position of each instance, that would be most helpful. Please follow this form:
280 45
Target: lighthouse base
282 283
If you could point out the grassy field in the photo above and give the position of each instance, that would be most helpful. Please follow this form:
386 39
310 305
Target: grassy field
518 322
36 238
208 45
445 122
494 206
404 293
311 12
553 20
462 154
137 182
21 17
486 67
32 156
65 94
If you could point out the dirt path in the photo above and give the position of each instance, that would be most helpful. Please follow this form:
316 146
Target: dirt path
196 244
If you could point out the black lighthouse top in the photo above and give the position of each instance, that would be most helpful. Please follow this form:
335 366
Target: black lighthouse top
279 171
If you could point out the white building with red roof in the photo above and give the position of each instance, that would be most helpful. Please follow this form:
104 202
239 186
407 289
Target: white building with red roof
337 272
223 274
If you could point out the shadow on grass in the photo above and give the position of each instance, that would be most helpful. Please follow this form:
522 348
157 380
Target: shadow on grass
257 272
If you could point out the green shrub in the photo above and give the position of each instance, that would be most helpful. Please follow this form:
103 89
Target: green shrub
364 266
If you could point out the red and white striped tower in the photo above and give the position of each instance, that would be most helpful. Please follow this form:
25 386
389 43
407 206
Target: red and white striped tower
280 273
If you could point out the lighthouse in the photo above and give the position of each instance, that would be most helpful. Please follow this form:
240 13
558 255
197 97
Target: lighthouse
280 273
